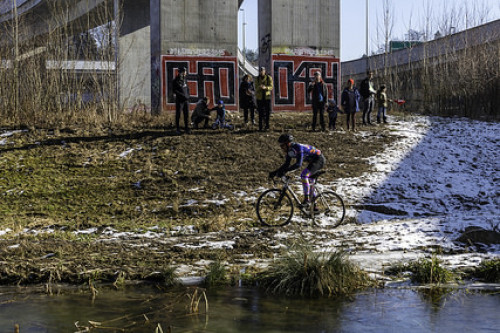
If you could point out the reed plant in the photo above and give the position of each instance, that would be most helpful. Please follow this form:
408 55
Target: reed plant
424 271
305 272
217 275
489 271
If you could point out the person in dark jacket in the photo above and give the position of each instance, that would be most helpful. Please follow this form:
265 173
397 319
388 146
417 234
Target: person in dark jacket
247 98
201 113
319 97
332 109
350 103
181 91
368 92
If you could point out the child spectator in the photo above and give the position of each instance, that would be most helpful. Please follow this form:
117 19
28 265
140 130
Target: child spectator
332 110
382 104
220 121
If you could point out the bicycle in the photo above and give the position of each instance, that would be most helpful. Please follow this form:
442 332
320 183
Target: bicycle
275 206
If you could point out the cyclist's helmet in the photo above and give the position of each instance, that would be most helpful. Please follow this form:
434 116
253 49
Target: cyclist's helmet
285 138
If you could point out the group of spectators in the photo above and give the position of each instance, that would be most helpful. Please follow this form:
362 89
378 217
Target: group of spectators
257 95
251 96
350 101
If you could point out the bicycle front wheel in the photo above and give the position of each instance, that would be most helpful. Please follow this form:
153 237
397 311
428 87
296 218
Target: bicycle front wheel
274 208
329 209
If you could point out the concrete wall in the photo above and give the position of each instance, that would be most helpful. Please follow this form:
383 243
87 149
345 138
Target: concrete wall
197 26
311 27
134 69
203 37
298 38
427 75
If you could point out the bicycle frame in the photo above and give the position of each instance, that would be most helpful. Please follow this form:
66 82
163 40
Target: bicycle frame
326 206
287 188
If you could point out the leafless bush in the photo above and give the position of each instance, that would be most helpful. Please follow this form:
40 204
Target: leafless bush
457 74
57 70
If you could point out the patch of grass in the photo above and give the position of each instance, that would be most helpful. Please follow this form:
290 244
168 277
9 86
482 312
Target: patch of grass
308 273
489 271
423 271
167 277
217 275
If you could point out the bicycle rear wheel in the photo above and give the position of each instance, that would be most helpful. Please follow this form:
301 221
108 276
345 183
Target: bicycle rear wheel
274 208
330 209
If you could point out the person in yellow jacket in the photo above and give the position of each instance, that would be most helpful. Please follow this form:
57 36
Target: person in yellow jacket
263 88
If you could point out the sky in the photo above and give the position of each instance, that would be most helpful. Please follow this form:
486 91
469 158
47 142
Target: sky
407 14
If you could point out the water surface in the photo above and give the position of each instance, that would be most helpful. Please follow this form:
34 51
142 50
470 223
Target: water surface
250 310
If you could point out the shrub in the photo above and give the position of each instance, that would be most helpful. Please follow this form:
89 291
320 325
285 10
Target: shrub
489 271
304 272
423 271
167 277
430 271
216 275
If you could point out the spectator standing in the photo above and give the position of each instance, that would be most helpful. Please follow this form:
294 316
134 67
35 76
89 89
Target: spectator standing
382 103
247 98
201 113
319 97
263 87
350 103
181 91
368 93
332 110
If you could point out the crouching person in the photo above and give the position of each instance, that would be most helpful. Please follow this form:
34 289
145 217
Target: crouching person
201 113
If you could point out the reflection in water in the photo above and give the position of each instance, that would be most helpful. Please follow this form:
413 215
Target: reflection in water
437 296
251 310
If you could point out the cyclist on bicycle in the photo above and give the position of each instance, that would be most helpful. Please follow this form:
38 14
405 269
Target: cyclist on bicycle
301 153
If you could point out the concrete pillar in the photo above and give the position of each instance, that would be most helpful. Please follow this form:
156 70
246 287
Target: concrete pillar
134 54
298 38
265 33
155 42
202 36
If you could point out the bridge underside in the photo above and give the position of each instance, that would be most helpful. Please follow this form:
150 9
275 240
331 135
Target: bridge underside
38 18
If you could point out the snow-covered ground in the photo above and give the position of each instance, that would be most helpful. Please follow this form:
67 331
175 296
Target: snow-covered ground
441 177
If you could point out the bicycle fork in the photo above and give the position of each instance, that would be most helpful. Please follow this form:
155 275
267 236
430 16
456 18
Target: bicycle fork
280 198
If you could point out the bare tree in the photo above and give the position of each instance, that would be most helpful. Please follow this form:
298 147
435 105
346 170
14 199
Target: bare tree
58 71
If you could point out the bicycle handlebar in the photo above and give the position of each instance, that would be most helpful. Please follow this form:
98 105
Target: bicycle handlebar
284 179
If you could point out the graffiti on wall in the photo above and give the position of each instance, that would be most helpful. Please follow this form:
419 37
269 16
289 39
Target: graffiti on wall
292 75
213 77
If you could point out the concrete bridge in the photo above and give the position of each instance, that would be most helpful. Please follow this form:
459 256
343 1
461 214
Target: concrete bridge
158 36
